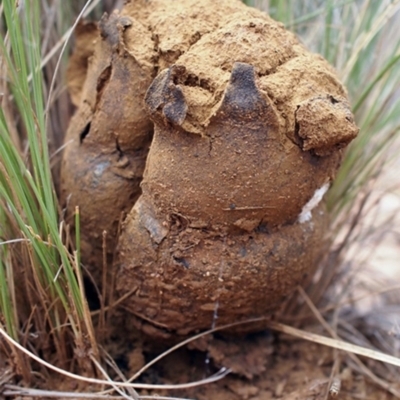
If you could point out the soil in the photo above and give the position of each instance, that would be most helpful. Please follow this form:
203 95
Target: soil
264 366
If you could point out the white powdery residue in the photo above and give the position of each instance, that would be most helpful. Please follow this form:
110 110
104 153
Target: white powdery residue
305 214
100 168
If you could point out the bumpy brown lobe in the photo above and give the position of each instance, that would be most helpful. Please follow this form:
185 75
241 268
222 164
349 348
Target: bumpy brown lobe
248 125
262 176
178 25
325 123
108 138
185 276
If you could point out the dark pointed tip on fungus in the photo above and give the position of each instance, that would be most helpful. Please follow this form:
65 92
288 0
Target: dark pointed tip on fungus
245 105
243 99
112 25
165 99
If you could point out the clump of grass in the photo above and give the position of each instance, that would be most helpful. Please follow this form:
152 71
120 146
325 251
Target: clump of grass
42 303
41 291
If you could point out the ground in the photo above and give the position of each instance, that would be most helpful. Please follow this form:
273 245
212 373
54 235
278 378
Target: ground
266 367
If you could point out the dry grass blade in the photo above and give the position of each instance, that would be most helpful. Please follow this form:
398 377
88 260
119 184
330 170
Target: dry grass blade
64 39
380 382
312 337
63 48
349 348
5 377
335 343
133 394
219 375
13 390
368 37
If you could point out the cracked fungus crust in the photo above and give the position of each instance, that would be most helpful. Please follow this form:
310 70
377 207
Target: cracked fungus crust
248 125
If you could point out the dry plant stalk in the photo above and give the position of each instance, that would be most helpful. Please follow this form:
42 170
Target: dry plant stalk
249 129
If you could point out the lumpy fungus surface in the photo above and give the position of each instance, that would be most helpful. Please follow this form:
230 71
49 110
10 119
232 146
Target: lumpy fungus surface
204 140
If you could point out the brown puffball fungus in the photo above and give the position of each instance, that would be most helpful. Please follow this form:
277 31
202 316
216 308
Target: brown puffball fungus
249 129
108 138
